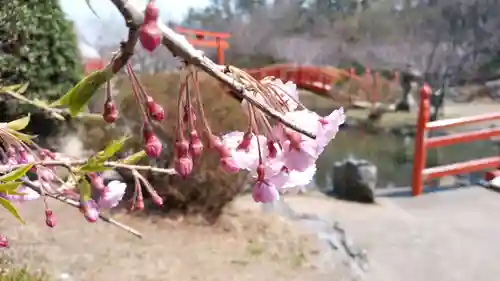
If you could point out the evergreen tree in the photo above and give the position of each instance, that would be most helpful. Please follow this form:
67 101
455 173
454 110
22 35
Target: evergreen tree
38 45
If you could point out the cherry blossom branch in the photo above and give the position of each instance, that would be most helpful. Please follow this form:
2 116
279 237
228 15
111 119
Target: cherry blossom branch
179 46
76 204
108 164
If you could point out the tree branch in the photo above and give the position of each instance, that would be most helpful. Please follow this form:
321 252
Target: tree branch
179 46
76 204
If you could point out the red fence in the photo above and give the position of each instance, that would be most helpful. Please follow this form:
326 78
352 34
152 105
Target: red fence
422 143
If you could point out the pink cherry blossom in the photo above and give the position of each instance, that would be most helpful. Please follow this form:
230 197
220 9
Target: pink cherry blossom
263 192
248 158
301 152
286 95
287 179
329 127
112 194
28 194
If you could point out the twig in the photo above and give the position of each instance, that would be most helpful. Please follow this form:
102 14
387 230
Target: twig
57 113
109 164
179 46
76 204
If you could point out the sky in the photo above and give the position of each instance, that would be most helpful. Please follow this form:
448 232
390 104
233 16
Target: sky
87 23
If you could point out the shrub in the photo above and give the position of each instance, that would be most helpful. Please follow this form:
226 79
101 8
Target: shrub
208 189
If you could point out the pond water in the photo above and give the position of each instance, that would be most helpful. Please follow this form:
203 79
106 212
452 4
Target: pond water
392 154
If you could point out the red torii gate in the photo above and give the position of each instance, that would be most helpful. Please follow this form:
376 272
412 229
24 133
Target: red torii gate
203 38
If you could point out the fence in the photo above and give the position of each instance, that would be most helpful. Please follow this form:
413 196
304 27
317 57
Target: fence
422 142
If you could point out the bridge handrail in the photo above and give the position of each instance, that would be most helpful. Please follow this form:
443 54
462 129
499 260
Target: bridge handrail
422 142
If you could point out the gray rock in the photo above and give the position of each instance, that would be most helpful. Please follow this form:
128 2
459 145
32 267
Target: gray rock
355 180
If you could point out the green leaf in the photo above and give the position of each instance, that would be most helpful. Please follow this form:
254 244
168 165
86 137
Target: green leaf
112 148
9 187
95 166
78 96
19 124
16 174
85 190
9 207
96 162
134 158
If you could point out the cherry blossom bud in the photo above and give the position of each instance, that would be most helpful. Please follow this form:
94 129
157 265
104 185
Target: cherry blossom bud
151 13
153 146
195 144
4 243
155 110
265 193
229 165
139 204
91 214
157 200
183 166
273 152
181 148
50 219
110 112
149 36
217 144
245 142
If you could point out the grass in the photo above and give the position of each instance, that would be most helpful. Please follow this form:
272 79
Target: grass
10 273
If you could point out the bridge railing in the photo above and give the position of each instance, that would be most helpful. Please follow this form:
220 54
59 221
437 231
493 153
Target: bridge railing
420 173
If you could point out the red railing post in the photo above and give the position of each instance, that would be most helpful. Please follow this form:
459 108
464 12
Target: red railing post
220 51
420 153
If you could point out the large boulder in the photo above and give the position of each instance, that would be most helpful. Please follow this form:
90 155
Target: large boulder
355 180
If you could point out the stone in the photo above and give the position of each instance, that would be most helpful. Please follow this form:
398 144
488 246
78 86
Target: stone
354 180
